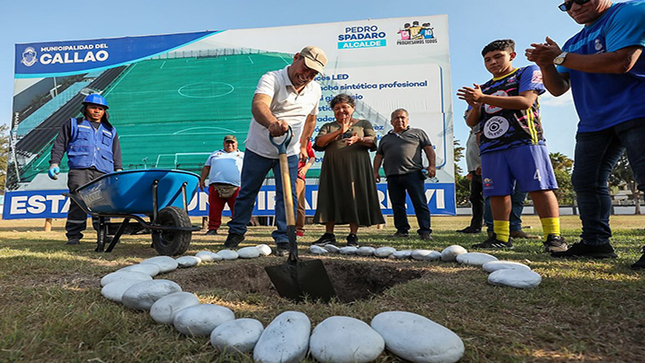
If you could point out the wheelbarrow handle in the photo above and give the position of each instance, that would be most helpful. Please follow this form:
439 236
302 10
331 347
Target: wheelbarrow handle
282 147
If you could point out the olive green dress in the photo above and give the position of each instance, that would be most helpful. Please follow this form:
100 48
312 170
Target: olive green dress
347 189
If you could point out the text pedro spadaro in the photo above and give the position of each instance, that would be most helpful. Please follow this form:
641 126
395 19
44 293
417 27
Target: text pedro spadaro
74 54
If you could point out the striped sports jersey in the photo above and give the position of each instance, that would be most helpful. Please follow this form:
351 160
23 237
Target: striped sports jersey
503 128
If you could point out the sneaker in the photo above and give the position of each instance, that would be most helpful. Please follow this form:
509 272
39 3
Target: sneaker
401 234
352 240
581 249
233 239
425 236
522 234
325 239
493 243
469 229
211 232
555 243
283 249
640 264
73 241
300 233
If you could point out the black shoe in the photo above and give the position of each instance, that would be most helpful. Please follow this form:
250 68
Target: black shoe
211 232
283 249
325 239
493 243
640 264
469 229
425 236
233 239
73 241
352 240
555 243
401 234
584 250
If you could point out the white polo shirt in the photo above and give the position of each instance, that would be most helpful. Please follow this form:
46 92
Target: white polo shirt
286 105
225 167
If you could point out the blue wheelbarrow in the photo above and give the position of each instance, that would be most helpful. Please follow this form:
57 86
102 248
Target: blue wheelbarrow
161 195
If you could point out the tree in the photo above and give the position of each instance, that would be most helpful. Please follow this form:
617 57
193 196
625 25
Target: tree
623 175
4 154
462 183
562 167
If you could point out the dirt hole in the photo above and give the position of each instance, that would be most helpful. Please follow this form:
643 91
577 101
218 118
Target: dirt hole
352 280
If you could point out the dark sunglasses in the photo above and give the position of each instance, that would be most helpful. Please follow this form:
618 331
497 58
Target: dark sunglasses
566 6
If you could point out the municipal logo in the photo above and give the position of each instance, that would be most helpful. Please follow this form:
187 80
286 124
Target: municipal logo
29 57
415 33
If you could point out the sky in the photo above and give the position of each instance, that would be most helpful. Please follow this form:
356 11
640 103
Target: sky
472 25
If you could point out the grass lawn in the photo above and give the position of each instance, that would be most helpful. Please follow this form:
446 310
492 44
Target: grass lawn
583 310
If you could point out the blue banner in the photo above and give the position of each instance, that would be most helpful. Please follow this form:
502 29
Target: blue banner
73 57
52 203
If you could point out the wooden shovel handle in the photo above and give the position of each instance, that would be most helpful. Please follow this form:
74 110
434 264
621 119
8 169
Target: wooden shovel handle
286 190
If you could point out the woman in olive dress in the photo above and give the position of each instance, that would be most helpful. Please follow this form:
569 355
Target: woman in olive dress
347 191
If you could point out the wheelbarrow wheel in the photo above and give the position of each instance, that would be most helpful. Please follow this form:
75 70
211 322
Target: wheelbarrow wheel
172 242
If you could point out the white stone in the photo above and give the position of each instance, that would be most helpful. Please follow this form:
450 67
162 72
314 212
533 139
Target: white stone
165 263
228 254
205 256
248 252
332 249
188 261
384 251
344 339
114 290
141 296
519 278
149 269
475 258
349 250
450 253
286 339
401 255
317 250
500 265
200 320
239 335
425 255
365 251
216 257
265 250
163 311
124 275
416 338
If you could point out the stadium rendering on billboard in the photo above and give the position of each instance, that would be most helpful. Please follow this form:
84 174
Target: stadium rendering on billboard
173 98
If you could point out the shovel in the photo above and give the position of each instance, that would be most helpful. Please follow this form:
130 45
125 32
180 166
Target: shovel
297 279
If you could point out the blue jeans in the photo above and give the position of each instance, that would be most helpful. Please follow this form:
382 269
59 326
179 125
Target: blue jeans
517 206
254 172
595 156
414 183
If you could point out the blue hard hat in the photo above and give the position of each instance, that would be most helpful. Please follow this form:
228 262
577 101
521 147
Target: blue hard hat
96 99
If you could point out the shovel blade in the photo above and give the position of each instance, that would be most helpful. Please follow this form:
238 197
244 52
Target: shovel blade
300 280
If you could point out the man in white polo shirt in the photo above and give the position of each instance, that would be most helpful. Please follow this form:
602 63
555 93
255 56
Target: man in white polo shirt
284 98
223 169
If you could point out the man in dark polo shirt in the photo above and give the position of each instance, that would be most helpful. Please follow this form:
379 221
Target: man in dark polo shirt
400 152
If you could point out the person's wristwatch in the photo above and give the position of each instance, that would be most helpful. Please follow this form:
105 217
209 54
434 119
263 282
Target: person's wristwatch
560 59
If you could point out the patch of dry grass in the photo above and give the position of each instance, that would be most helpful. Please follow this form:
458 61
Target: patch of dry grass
583 310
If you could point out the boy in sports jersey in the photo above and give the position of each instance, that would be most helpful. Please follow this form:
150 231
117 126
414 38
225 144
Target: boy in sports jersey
512 148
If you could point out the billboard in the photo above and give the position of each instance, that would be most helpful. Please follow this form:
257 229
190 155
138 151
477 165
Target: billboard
173 97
